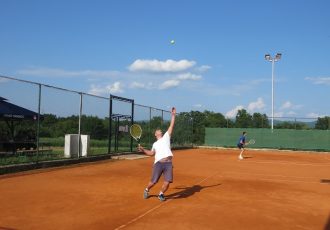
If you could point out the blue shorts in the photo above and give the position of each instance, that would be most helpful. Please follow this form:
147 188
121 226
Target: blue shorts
165 168
239 145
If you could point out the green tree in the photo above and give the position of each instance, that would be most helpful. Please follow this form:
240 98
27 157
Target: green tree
183 132
156 123
260 120
198 119
93 126
214 120
291 125
69 125
230 123
47 125
4 131
243 119
323 123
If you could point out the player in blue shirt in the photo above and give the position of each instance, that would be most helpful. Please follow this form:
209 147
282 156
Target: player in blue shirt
241 144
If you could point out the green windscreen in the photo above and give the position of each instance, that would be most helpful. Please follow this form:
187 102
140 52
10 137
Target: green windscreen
318 140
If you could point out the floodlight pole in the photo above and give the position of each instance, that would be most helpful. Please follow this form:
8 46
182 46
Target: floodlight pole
273 64
273 60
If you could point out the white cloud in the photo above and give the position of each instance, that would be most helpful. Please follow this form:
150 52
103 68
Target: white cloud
289 105
137 85
177 80
101 90
315 115
198 105
292 113
53 72
203 68
286 105
133 80
287 109
3 80
96 90
160 66
319 80
251 108
232 113
236 89
189 76
256 105
278 114
169 84
115 87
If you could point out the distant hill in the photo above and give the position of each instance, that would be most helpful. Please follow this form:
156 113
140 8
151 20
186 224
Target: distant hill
310 124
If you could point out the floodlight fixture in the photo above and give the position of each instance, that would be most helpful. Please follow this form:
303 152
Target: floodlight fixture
267 57
273 60
278 56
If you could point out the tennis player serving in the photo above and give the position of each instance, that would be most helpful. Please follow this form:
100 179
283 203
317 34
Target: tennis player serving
161 149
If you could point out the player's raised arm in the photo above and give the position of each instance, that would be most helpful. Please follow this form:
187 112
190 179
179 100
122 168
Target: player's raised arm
170 128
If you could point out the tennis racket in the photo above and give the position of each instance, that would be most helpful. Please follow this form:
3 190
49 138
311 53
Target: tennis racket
251 142
136 132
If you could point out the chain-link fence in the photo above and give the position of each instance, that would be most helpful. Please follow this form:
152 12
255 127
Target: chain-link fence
40 122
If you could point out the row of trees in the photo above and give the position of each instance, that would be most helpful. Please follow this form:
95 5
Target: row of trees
97 128
257 120
323 123
243 119
207 119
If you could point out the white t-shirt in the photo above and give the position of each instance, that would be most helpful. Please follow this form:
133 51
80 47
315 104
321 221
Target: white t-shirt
162 147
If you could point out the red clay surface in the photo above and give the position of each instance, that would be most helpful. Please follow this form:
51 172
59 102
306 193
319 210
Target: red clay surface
212 189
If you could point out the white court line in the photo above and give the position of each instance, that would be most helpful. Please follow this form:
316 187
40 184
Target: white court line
271 175
286 163
142 215
158 206
274 175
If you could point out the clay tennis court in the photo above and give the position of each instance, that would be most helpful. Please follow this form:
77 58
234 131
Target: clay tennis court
211 190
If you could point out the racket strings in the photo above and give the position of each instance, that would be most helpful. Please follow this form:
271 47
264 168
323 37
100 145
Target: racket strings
252 141
136 131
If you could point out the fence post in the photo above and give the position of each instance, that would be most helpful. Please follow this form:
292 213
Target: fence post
38 121
132 122
110 124
149 141
162 120
79 123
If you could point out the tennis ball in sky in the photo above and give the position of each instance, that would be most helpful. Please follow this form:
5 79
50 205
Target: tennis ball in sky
172 42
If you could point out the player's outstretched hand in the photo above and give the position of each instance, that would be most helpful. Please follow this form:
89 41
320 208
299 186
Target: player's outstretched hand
140 148
173 110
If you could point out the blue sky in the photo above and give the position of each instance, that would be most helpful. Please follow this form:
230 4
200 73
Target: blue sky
216 63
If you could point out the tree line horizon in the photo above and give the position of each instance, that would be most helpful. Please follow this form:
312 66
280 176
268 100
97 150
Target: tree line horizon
53 126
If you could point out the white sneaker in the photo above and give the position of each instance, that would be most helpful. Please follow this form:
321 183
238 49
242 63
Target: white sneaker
240 158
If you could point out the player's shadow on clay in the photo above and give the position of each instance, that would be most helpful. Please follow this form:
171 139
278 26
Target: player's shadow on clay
327 225
4 228
325 181
188 191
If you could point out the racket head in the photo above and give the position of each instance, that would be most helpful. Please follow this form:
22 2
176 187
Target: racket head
136 131
252 141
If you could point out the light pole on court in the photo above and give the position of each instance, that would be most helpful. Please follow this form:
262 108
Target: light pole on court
273 60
